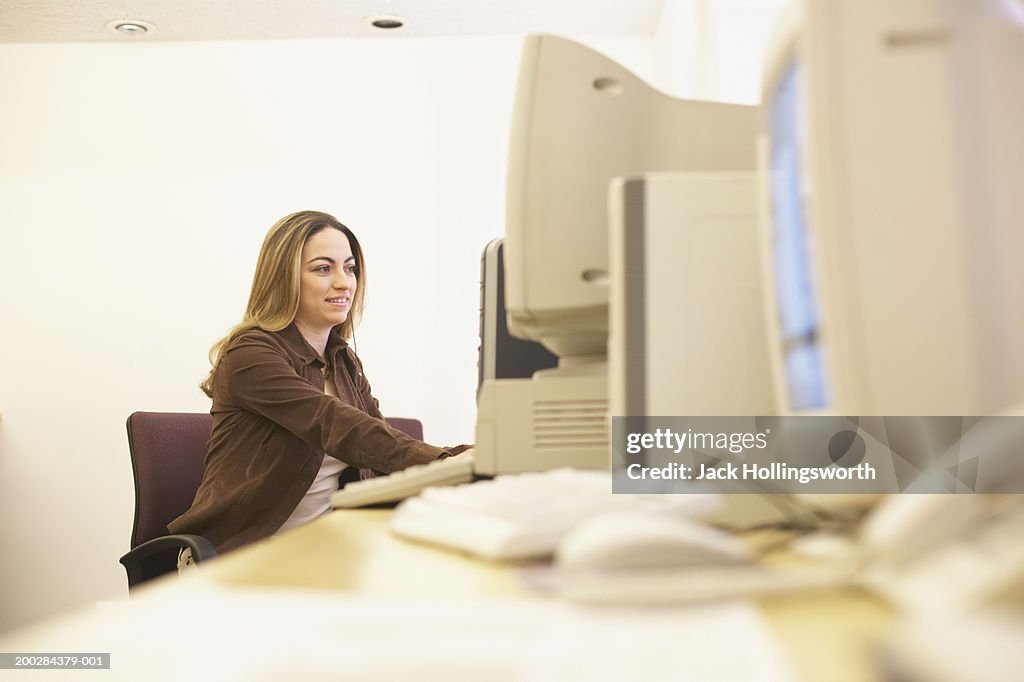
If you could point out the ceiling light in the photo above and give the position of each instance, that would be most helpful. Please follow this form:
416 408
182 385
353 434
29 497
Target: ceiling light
130 27
386 21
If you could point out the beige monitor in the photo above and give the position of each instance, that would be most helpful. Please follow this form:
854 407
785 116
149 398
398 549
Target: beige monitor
893 211
687 333
580 120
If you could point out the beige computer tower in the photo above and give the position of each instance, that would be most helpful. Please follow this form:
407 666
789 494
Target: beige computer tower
542 423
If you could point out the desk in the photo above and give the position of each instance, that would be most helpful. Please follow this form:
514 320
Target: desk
827 635
361 556
351 553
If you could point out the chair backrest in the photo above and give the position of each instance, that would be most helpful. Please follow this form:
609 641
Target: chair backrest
412 427
168 450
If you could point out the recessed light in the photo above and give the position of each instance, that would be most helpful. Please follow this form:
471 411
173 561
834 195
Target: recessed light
130 27
386 21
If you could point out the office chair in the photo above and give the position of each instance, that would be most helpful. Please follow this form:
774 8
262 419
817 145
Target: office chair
410 427
168 450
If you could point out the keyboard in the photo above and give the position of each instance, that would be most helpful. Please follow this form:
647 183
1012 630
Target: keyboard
524 516
405 483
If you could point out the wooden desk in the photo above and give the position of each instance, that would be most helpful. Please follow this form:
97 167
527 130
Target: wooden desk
828 635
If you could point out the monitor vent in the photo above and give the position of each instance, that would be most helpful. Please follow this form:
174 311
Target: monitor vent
570 423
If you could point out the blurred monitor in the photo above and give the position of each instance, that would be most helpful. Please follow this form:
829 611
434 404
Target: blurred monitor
892 156
580 120
893 162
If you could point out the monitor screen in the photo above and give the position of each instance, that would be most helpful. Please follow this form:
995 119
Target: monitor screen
803 361
503 356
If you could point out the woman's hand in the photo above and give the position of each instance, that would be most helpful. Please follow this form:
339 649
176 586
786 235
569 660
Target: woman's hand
465 454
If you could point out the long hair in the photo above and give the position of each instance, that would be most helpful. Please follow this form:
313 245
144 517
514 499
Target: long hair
274 297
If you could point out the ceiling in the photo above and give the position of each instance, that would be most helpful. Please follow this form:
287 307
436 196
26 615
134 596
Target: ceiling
90 20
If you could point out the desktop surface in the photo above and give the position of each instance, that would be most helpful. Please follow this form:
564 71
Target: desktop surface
353 551
362 593
826 635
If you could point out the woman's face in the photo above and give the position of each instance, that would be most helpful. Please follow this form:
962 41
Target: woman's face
328 281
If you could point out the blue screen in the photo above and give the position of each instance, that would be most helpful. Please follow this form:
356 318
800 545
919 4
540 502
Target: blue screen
797 305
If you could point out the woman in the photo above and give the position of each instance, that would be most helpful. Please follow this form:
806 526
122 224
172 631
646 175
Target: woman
292 411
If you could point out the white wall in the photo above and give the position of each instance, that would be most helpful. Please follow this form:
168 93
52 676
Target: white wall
136 184
713 49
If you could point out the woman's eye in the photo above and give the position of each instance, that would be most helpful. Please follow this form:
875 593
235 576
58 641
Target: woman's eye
324 268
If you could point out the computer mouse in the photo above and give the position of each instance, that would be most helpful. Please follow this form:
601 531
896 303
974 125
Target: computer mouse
646 541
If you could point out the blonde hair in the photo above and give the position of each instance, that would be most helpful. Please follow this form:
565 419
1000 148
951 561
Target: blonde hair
274 297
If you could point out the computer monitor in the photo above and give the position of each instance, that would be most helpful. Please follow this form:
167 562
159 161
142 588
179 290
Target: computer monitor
580 120
502 356
893 158
687 335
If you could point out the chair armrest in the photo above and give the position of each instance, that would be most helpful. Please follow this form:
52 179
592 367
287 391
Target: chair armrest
159 556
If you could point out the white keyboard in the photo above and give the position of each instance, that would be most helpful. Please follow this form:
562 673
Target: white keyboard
404 483
522 516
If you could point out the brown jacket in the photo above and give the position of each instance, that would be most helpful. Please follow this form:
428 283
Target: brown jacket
273 424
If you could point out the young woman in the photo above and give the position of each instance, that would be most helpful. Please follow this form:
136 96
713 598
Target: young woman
292 410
